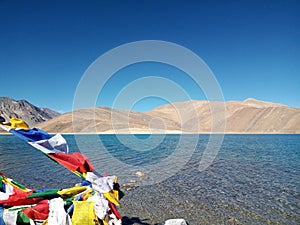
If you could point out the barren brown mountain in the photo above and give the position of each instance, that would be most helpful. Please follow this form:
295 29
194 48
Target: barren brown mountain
23 109
249 116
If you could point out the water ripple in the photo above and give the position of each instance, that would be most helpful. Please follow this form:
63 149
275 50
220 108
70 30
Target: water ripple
253 180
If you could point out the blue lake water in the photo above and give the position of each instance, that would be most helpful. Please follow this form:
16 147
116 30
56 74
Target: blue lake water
254 179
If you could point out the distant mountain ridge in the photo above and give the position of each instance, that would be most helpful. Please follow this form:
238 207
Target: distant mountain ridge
25 110
195 116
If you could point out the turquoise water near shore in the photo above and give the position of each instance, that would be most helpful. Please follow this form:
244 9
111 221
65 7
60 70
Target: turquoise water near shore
255 179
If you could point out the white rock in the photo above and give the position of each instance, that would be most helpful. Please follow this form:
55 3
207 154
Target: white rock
140 174
175 222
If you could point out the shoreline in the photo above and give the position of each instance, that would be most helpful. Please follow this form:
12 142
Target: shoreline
163 133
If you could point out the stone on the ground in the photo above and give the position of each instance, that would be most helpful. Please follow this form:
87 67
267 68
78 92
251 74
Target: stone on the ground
140 174
175 222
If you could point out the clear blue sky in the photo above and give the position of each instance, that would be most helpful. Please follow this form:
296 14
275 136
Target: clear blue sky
252 47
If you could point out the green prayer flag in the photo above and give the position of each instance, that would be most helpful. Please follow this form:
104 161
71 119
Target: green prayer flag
22 219
1 178
21 186
44 194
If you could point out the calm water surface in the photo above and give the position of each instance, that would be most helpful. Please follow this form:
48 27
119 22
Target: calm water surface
255 179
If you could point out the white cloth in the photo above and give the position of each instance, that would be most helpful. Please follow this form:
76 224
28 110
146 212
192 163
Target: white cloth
9 190
4 127
57 213
101 207
3 196
55 144
35 222
104 184
113 220
10 217
91 177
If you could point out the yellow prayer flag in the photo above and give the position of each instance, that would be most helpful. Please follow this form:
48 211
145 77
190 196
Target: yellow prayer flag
69 192
84 213
17 123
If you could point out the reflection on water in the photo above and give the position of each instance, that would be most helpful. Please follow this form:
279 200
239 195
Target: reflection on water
253 180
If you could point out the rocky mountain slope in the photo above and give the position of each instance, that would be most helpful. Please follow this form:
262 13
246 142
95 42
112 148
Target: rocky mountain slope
249 116
25 110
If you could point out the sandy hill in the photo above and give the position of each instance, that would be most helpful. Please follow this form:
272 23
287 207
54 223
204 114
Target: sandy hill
249 116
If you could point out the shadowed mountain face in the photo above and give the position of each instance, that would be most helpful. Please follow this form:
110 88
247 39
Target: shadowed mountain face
249 116
24 110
